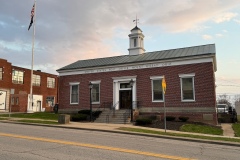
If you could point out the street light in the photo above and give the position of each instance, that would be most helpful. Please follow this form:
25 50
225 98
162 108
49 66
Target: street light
90 87
131 84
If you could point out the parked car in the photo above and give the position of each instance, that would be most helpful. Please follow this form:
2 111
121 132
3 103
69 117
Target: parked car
222 108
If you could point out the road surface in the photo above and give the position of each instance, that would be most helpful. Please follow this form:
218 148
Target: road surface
21 142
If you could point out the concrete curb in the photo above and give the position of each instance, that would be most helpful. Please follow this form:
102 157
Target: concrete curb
133 133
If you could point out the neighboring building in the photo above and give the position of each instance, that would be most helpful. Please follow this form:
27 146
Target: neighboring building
237 107
189 74
15 85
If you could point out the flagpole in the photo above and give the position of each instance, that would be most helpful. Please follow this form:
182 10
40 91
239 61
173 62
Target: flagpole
30 109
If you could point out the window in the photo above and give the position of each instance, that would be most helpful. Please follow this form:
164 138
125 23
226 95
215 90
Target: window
187 87
96 93
74 93
125 85
157 93
17 77
36 80
12 101
17 100
50 82
135 42
1 73
50 101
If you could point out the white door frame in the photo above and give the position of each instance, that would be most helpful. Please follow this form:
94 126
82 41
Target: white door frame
116 88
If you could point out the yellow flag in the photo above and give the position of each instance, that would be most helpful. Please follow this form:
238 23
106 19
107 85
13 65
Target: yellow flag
164 85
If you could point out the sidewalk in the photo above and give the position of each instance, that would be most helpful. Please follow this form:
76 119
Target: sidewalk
114 128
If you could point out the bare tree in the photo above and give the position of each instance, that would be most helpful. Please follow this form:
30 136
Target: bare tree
224 99
237 98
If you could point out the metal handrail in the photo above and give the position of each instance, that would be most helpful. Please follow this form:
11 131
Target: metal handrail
112 109
102 105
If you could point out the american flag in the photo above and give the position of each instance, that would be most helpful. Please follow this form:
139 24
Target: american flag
32 15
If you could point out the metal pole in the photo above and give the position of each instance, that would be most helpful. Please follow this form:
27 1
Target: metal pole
30 109
10 107
90 104
131 107
165 125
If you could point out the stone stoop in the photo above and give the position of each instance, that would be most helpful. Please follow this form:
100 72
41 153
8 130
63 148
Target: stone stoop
120 117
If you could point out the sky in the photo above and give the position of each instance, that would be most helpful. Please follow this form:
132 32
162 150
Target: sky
67 31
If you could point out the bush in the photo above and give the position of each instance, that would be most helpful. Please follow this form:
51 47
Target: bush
78 117
85 111
183 119
170 118
96 114
143 121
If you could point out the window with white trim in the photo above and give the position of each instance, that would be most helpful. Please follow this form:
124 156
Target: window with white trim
17 76
36 81
96 93
74 93
187 87
157 92
1 73
50 82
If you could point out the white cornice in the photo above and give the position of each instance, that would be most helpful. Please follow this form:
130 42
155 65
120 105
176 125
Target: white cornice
141 65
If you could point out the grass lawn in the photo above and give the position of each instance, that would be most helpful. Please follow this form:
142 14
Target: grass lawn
201 129
36 115
236 128
189 135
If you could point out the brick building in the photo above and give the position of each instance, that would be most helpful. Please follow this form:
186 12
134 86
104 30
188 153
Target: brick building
15 88
189 74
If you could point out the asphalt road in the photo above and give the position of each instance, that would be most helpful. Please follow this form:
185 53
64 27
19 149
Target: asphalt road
18 142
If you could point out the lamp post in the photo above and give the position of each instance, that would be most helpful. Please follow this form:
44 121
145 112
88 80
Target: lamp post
131 84
90 87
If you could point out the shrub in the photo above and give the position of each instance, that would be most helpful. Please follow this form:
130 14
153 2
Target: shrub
85 111
78 117
170 118
183 119
96 114
143 121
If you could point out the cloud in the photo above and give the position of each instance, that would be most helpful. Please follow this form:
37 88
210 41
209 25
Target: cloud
219 35
207 37
67 32
225 17
237 20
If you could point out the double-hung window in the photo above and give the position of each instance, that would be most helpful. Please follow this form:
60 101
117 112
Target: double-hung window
95 92
157 92
50 82
74 93
17 76
187 87
36 81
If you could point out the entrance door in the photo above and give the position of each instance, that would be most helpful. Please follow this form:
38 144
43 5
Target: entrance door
3 95
125 99
38 106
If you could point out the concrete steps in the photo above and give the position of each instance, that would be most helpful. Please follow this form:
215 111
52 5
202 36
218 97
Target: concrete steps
108 116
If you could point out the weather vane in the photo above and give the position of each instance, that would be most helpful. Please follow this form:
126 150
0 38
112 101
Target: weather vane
136 20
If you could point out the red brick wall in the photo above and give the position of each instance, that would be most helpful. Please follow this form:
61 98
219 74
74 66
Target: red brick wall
25 87
7 69
204 86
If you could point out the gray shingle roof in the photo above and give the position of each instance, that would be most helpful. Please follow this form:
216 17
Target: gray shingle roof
146 57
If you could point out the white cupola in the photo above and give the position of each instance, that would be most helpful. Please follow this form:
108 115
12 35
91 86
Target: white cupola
136 41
